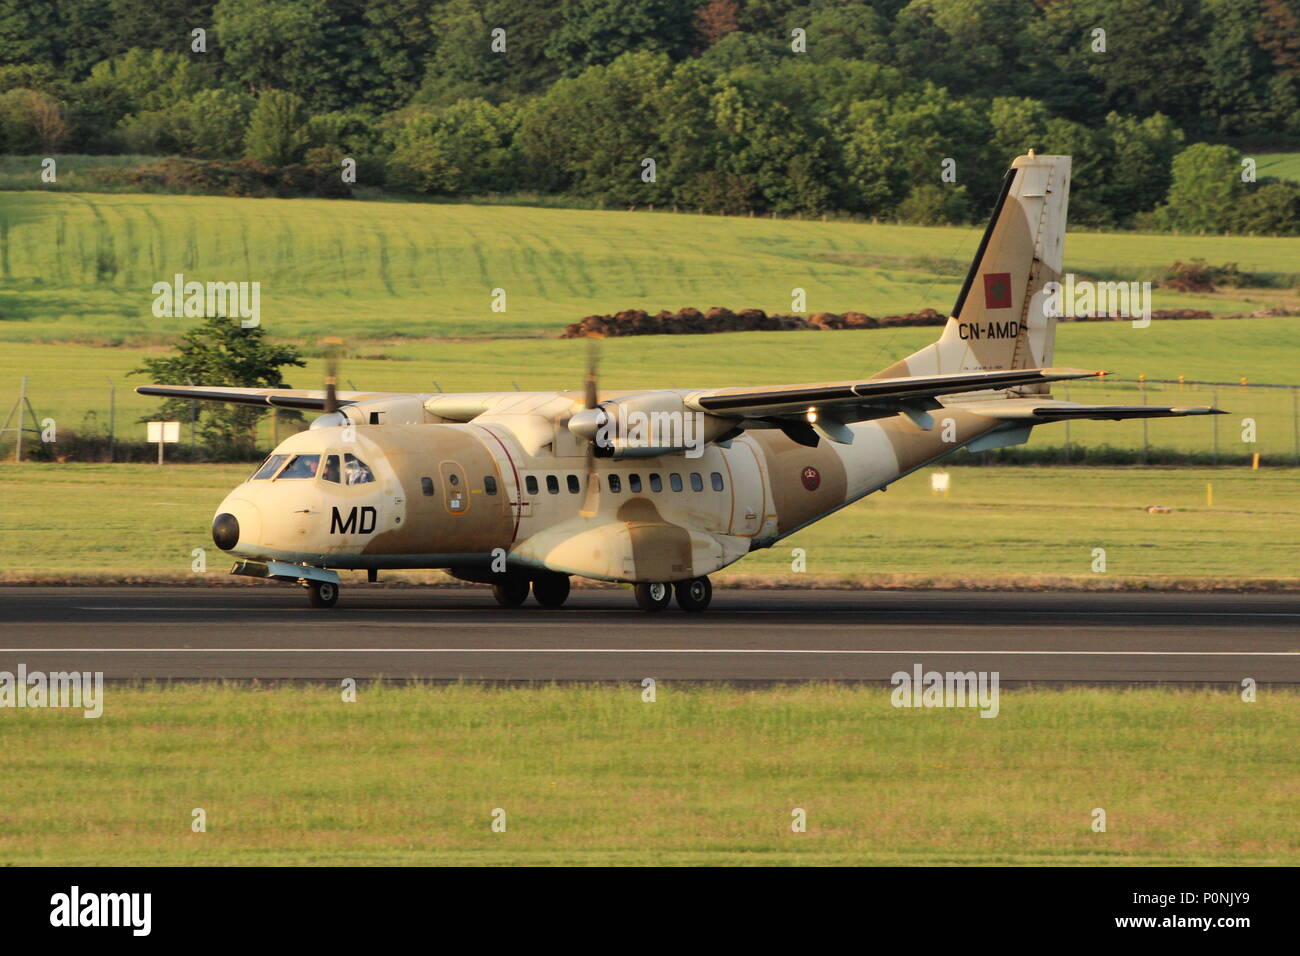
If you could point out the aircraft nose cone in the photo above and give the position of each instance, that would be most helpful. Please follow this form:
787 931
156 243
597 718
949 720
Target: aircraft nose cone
225 531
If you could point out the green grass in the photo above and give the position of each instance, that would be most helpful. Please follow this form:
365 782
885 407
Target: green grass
592 775
1281 165
80 266
1005 526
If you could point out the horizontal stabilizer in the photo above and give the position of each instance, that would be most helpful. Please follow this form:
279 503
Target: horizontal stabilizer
1028 409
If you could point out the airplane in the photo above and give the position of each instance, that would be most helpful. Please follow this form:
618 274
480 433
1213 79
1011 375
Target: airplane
657 488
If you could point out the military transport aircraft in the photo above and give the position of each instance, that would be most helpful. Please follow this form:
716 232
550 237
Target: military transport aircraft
657 488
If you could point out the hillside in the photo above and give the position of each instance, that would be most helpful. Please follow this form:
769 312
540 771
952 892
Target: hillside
78 267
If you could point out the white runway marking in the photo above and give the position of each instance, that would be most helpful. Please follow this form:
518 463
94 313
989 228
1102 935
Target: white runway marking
619 650
784 610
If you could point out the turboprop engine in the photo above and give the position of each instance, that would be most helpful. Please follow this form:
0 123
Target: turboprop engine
404 410
648 425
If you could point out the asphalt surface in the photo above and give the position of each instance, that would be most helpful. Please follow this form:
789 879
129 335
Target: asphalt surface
270 632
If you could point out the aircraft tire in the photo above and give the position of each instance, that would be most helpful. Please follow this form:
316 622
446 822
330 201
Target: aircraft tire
322 593
653 596
694 595
551 590
511 593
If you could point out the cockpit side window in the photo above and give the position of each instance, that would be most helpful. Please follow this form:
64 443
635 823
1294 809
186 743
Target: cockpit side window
331 470
356 471
269 467
302 466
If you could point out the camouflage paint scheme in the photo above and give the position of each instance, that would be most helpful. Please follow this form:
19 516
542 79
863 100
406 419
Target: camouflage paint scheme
768 488
453 473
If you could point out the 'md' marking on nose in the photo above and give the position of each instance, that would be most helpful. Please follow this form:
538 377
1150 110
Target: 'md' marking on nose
997 290
365 525
974 331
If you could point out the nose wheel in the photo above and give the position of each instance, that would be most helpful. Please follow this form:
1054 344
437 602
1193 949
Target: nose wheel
322 593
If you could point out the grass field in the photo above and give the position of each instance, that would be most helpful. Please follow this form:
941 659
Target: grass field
81 266
1281 165
593 775
1001 526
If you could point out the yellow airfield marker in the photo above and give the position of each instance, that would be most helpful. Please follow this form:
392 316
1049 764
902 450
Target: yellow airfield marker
1254 462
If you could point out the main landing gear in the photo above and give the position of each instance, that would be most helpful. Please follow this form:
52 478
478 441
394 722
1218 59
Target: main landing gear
692 596
550 590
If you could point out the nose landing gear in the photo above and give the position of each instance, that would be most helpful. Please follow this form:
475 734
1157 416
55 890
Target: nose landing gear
322 593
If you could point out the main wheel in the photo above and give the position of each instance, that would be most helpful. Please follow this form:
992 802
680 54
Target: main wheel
322 593
512 592
551 590
654 596
694 595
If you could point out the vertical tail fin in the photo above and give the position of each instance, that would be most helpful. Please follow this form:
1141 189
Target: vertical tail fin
999 321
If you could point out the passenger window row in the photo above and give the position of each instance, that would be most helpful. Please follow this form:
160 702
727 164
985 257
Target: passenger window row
573 484
634 483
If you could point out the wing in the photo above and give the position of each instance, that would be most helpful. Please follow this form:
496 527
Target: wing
304 398
888 393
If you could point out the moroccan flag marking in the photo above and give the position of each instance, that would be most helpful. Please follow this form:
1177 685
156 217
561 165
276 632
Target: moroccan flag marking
997 290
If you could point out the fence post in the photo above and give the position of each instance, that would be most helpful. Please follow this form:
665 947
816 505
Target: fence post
1142 387
1214 422
1295 421
112 421
1066 389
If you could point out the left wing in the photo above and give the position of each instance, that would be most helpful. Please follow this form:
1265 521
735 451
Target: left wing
305 398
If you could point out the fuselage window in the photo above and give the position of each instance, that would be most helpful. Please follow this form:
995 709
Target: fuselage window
675 481
426 485
331 470
697 483
552 485
634 484
530 483
615 484
489 485
269 467
716 479
302 466
574 486
656 483
356 471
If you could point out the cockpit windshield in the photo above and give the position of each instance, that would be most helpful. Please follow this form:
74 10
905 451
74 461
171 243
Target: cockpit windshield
356 471
269 467
302 466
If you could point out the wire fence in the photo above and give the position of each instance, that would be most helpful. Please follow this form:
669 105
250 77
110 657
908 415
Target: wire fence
1262 419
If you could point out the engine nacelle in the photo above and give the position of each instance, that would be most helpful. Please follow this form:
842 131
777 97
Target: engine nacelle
647 426
399 410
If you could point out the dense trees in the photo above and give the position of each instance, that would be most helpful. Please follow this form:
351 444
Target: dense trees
889 108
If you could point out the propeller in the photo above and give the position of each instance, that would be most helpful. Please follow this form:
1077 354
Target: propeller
592 416
332 348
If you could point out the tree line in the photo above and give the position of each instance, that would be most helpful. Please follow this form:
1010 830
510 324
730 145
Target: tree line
887 109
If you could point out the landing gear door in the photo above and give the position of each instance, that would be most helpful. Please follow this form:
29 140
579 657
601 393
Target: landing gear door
747 490
457 497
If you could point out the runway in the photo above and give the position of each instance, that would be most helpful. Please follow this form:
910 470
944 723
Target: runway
271 633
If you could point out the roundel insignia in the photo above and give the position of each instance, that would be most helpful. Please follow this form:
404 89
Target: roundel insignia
812 478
